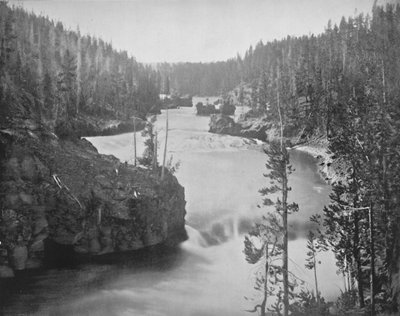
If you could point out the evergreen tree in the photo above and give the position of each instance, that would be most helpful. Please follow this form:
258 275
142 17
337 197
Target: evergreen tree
148 156
315 244
65 74
66 84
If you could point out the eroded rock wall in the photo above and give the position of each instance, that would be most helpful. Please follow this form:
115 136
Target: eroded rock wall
66 192
245 127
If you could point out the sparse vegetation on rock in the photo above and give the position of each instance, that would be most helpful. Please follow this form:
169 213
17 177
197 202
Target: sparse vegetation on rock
64 191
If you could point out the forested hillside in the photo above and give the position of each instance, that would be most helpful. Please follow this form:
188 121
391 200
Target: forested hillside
357 59
55 73
342 85
55 87
203 79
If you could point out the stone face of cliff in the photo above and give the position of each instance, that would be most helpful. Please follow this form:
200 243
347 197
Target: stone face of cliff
245 126
223 124
95 126
65 192
206 110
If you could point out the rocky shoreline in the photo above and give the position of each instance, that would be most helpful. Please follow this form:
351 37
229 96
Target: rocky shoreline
246 126
85 126
62 193
331 170
260 128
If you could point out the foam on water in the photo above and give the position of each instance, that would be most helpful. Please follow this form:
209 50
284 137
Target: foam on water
207 274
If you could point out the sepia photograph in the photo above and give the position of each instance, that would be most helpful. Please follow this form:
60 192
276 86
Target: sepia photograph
200 157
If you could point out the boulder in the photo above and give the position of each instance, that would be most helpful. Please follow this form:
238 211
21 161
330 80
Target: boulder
254 127
174 102
6 272
205 110
94 246
223 124
18 257
33 263
40 224
227 107
28 168
246 126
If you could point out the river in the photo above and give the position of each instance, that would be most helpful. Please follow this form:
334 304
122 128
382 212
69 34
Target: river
206 275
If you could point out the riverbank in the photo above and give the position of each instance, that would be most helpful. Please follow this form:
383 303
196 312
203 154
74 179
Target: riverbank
62 194
332 170
245 126
222 176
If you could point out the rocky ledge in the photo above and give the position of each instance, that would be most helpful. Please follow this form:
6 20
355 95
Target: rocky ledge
245 126
91 126
63 192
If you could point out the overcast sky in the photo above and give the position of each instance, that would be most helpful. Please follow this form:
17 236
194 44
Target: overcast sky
194 30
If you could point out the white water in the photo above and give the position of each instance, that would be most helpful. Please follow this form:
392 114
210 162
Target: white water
221 176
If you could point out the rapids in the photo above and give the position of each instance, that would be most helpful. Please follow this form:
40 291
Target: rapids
207 274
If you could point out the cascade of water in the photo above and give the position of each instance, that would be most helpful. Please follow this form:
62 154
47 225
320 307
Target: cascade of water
208 274
195 237
235 226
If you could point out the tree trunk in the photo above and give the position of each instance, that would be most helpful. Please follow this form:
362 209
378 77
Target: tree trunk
78 74
285 273
165 147
383 83
316 279
372 245
356 254
394 264
264 302
155 152
134 141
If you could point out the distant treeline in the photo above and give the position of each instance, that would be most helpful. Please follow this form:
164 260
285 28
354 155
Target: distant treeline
316 72
58 73
201 79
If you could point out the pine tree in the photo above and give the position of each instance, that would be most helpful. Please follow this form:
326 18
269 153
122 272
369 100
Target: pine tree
87 75
149 153
272 235
66 85
263 96
263 245
165 146
315 244
48 91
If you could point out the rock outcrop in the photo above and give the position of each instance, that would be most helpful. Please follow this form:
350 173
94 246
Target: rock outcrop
89 126
223 124
175 101
227 107
245 127
254 127
86 126
64 191
205 110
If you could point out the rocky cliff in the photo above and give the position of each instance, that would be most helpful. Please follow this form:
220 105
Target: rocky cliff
245 126
223 124
63 192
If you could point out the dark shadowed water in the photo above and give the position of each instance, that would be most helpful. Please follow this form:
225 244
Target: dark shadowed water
206 275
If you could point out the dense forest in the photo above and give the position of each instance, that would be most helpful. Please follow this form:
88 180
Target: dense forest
342 85
58 73
203 79
314 72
